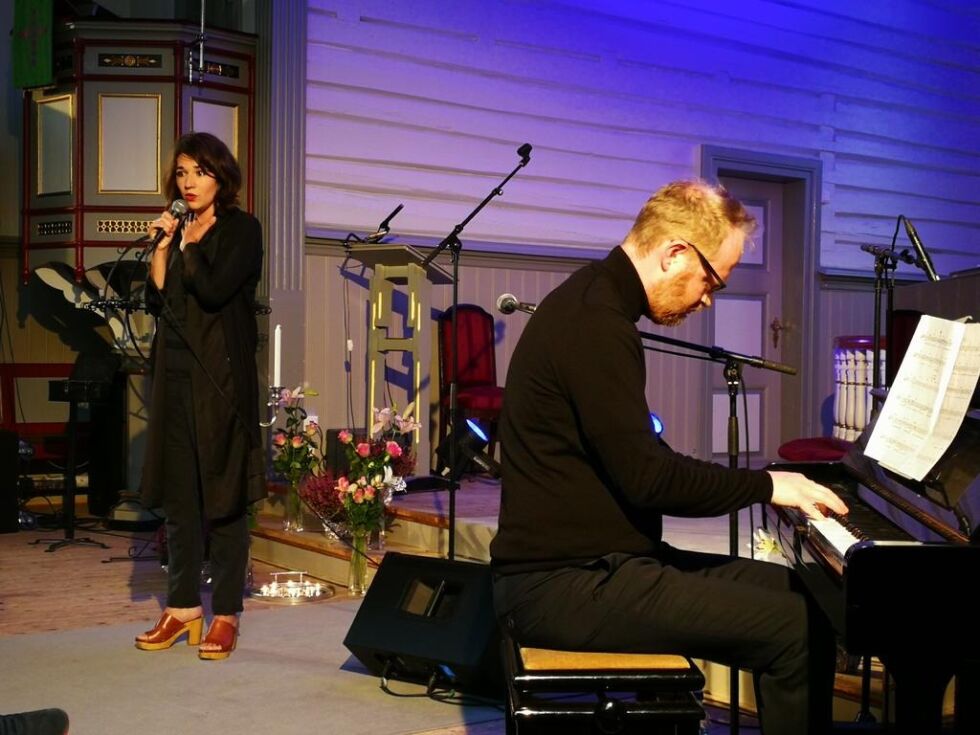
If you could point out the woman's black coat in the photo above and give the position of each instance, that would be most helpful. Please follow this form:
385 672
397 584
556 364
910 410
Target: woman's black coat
220 277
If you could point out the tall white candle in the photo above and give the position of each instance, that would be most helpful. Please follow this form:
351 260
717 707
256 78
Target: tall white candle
277 358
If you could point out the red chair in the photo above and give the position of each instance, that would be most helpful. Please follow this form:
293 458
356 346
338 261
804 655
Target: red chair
477 394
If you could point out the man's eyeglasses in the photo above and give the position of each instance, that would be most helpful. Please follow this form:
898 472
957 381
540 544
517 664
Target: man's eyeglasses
718 282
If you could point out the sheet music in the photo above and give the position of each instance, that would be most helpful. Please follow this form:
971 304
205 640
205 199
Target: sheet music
930 396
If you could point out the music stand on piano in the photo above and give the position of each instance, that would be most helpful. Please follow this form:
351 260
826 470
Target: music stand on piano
90 382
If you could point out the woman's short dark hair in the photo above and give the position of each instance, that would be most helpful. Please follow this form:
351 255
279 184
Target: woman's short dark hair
215 159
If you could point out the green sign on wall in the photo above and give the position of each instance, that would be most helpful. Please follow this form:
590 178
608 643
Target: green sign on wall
31 45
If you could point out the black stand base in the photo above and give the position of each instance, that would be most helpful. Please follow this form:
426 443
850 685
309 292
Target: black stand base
425 483
59 543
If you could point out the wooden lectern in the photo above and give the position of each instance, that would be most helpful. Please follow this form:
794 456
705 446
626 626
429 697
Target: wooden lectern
400 265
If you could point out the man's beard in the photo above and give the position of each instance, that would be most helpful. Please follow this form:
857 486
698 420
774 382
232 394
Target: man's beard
668 307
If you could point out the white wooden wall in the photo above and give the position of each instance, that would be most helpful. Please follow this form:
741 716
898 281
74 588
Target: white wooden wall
672 387
425 102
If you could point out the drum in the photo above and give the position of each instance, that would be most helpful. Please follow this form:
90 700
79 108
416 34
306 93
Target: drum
853 380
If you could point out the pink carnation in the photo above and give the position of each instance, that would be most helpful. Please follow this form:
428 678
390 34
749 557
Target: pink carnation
363 449
394 449
345 437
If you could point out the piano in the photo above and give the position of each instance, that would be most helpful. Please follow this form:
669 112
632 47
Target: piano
896 576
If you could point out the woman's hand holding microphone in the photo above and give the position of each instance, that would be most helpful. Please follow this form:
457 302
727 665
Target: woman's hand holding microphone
163 229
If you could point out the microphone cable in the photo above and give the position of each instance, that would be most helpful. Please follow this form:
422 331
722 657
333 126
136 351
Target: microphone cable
125 314
179 209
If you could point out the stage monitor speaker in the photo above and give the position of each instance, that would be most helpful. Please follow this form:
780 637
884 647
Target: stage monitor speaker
9 491
423 617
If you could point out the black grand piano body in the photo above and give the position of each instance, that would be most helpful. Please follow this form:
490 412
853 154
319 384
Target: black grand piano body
904 594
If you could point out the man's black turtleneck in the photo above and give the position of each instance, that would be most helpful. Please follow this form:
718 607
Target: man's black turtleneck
583 473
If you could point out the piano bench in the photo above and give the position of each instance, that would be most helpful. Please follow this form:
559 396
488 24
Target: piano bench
551 691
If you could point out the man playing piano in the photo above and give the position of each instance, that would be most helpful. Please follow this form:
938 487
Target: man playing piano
578 559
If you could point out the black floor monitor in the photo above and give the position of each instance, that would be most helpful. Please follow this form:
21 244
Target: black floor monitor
423 617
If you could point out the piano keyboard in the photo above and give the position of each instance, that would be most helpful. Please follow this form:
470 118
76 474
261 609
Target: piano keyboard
835 534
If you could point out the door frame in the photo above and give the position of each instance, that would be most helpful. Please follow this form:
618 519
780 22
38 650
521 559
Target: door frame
802 186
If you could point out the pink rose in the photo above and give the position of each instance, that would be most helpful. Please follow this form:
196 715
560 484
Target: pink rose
394 449
363 449
345 437
342 484
297 441
358 496
279 439
312 428
369 493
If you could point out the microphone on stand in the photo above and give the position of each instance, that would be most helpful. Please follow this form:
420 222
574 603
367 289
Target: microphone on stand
384 228
525 153
879 252
507 303
179 209
924 261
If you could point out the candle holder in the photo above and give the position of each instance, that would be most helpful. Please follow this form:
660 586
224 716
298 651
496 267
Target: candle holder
295 589
275 395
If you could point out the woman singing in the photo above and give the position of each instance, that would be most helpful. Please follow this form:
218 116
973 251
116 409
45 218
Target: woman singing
204 459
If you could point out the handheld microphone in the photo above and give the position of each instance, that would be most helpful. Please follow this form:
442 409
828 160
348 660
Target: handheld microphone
384 227
179 209
924 261
877 251
507 303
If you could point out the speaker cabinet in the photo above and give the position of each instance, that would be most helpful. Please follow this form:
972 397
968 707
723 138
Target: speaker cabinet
423 617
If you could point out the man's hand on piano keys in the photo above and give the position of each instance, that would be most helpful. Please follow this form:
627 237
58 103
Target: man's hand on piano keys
793 490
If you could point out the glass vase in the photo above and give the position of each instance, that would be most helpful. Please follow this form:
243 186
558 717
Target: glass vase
357 572
378 535
330 531
292 521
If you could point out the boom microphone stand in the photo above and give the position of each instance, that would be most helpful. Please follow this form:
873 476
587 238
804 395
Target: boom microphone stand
452 243
733 363
886 261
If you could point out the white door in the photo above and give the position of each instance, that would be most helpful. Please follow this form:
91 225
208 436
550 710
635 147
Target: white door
748 318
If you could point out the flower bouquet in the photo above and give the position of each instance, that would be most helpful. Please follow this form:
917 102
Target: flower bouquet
297 452
319 492
376 466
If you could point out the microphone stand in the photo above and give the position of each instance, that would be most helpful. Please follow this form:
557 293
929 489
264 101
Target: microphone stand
452 243
733 362
886 262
